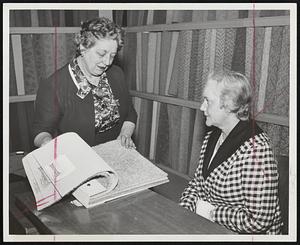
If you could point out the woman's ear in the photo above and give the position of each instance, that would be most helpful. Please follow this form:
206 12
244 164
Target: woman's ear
82 49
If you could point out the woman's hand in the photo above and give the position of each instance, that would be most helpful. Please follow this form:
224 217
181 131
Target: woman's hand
204 209
126 133
42 139
126 141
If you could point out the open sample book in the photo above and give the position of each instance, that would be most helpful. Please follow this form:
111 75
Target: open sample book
93 175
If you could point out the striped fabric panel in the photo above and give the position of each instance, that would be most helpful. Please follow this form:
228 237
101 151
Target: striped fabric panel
185 45
211 15
269 13
273 70
220 49
172 60
199 82
130 60
37 42
229 47
212 50
198 137
193 64
183 89
144 68
264 68
238 60
197 16
140 17
138 101
281 104
243 14
176 86
157 64
163 154
232 14
62 58
144 130
174 114
145 17
175 77
166 38
253 13
249 52
177 16
139 61
48 49
187 16
132 17
221 14
148 61
151 62
159 16
162 142
29 70
206 55
257 63
70 45
119 17
12 74
156 105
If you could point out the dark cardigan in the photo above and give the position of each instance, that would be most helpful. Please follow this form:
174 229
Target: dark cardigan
59 110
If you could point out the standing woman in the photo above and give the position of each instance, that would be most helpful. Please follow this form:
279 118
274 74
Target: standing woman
236 182
88 96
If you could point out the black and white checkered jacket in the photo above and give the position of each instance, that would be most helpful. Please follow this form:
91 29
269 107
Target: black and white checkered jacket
241 181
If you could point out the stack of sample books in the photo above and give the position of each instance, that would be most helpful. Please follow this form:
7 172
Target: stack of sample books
93 175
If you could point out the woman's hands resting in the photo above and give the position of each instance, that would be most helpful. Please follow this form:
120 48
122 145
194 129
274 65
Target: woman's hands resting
126 134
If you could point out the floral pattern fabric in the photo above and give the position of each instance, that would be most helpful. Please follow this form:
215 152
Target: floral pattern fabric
106 106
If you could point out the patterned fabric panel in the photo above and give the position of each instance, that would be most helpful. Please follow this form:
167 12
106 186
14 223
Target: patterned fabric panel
12 73
279 137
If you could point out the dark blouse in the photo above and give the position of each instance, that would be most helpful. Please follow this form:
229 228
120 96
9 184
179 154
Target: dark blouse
59 109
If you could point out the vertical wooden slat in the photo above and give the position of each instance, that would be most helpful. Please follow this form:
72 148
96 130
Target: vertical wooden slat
171 60
150 87
169 16
264 67
138 101
150 17
156 105
18 62
21 110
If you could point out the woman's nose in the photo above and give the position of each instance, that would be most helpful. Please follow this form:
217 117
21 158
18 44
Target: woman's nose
202 107
106 60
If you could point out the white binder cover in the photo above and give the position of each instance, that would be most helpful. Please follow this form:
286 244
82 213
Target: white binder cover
62 165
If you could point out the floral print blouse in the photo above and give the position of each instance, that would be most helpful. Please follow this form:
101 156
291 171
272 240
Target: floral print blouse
106 106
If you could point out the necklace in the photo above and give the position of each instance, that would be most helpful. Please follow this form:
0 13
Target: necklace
93 80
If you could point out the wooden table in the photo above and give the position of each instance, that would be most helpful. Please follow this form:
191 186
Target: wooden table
145 212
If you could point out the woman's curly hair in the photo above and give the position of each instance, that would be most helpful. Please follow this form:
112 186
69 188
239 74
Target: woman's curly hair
98 28
236 92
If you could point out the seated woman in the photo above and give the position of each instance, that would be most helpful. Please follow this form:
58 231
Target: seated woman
236 182
89 95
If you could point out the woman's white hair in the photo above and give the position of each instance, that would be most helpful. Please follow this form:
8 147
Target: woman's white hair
236 92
